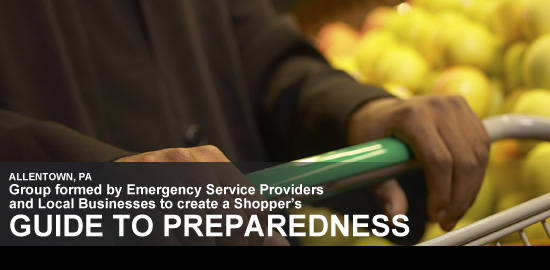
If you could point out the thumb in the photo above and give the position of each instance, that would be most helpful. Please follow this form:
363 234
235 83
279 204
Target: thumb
390 197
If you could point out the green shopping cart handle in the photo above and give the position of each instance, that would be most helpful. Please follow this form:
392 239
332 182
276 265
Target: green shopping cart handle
333 167
371 162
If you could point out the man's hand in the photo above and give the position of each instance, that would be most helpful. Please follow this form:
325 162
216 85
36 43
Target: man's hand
444 135
219 171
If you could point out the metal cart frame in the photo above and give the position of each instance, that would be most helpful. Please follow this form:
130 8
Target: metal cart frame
358 166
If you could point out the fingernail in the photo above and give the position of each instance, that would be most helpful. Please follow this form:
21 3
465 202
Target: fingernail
453 224
449 226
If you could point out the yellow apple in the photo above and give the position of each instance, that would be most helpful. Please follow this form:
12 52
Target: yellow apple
428 43
512 97
496 68
507 20
511 199
504 168
468 82
437 5
349 65
337 39
508 201
409 28
537 235
485 202
532 102
403 65
434 39
471 44
481 11
379 17
496 105
536 63
429 82
535 21
398 90
373 46
513 59
536 170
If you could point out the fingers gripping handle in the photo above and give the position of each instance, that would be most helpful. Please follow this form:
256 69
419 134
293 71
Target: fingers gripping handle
371 162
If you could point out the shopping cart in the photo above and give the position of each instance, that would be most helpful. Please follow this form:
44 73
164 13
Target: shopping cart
358 166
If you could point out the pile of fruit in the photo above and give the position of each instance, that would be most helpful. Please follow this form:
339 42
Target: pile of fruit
494 53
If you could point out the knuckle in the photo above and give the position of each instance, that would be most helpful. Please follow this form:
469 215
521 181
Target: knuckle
412 111
440 158
457 101
439 102
468 166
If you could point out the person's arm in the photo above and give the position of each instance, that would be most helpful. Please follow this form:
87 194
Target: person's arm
23 139
307 108
302 103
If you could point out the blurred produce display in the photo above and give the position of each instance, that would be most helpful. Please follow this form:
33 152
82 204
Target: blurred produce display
494 53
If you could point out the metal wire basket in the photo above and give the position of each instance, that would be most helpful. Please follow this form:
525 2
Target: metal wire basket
353 167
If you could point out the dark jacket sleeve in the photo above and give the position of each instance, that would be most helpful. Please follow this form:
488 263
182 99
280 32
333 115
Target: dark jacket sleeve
23 139
303 103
